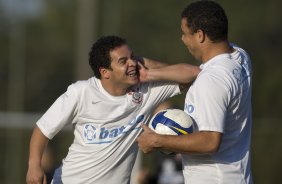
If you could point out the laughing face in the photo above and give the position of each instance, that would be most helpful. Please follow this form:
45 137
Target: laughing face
123 72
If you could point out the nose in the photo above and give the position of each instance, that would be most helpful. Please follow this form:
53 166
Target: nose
132 62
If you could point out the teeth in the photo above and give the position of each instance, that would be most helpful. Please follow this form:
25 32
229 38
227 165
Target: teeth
132 73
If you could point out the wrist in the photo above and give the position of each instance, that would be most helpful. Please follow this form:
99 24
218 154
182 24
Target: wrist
34 163
152 75
157 143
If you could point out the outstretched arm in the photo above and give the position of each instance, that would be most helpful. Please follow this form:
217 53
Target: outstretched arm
153 64
38 143
181 73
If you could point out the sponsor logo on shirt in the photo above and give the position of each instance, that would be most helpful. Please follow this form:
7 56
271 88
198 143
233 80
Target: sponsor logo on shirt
89 132
189 108
103 135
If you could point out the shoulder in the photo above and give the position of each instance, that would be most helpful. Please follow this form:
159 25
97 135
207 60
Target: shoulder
81 85
239 49
158 85
85 83
159 88
216 77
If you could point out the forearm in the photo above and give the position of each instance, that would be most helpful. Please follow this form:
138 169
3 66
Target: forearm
153 64
180 73
38 144
35 172
200 142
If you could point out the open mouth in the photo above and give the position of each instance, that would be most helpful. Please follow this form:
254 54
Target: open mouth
132 73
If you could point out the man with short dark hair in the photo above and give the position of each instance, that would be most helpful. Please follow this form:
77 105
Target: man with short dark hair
106 112
219 101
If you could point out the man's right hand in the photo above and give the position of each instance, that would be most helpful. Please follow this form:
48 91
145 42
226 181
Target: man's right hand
35 175
143 72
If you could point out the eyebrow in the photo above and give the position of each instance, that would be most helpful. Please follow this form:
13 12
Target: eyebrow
125 58
122 59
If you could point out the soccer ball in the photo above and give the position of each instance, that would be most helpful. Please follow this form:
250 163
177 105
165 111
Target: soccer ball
171 122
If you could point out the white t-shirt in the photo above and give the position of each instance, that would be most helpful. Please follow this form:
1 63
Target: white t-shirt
220 100
105 129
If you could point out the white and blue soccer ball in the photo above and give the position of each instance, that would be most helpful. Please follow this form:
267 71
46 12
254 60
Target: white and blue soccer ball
172 122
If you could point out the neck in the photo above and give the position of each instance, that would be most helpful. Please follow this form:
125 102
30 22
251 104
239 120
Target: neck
214 49
113 90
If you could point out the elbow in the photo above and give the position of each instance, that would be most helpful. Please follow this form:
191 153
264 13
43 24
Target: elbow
212 148
213 141
191 73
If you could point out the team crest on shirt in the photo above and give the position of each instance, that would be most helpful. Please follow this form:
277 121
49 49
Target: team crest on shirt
137 97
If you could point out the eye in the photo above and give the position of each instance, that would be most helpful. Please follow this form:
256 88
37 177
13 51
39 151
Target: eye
122 61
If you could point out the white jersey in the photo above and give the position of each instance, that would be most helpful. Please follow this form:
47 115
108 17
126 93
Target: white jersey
220 100
105 129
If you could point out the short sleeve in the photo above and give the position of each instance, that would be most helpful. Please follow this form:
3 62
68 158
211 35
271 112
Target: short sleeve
212 96
59 114
161 91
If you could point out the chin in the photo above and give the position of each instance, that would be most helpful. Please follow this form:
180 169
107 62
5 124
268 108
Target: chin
135 81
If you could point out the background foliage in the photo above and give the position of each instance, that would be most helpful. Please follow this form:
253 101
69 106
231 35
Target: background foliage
153 30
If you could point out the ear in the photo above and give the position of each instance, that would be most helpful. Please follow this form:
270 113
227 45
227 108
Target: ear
201 36
105 73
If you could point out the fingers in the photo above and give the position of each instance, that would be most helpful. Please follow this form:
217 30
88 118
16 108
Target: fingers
35 175
44 179
36 181
141 66
145 128
140 59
